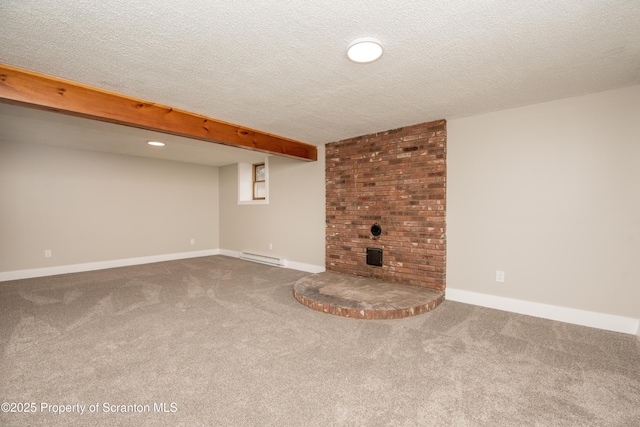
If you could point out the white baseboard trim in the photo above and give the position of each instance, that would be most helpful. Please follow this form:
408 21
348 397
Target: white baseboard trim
308 268
232 254
101 265
609 322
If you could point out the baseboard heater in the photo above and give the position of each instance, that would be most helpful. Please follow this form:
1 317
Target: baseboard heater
264 259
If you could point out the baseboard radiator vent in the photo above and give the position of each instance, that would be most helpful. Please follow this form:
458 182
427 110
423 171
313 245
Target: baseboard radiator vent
264 259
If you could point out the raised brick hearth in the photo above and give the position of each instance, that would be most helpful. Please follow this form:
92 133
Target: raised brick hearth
363 298
396 179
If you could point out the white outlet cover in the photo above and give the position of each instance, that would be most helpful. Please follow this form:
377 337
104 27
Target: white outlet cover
499 276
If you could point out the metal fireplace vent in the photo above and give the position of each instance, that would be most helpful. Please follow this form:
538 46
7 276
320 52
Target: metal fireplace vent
374 257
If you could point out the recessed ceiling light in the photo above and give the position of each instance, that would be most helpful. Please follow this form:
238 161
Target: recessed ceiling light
156 143
364 50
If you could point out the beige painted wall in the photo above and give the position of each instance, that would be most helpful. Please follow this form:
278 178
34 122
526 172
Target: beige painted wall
88 206
549 193
293 221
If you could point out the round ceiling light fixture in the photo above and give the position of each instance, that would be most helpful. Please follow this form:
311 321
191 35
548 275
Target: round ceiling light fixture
364 50
156 143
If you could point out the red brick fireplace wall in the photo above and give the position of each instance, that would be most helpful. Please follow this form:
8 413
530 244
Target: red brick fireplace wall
396 179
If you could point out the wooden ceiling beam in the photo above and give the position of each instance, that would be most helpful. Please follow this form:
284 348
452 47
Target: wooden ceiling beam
29 89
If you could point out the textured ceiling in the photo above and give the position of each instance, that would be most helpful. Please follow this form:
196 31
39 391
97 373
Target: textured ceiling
281 67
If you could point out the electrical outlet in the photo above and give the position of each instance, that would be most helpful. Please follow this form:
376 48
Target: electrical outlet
270 245
47 253
193 241
500 276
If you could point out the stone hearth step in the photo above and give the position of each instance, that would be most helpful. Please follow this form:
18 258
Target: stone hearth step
364 298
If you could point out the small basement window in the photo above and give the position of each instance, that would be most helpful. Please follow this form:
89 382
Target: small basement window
259 182
253 183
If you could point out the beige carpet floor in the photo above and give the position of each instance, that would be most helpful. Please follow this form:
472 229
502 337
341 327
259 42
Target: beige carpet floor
217 341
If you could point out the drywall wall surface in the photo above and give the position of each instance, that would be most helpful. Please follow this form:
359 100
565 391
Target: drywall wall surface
86 206
291 226
549 194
